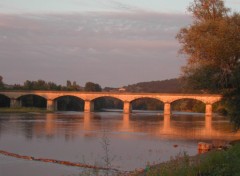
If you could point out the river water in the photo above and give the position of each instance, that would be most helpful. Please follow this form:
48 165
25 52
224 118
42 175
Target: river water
132 140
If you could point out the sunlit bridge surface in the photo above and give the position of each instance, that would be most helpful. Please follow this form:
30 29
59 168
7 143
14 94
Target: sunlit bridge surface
135 139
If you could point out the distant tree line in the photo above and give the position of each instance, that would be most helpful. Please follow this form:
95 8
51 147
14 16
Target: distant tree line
44 85
165 86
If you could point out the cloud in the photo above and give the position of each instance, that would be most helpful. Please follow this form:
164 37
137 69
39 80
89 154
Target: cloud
113 49
119 5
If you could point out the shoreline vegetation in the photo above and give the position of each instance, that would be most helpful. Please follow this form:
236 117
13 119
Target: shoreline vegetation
24 110
215 162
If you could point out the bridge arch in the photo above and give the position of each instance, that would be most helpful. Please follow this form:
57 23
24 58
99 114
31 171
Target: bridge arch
188 98
115 96
107 102
68 103
5 101
205 98
19 96
147 103
188 105
5 95
32 100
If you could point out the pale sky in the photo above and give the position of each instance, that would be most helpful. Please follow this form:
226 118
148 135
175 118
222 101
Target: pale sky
110 42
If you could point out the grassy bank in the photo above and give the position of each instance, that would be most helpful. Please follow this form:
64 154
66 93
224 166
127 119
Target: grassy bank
23 110
214 163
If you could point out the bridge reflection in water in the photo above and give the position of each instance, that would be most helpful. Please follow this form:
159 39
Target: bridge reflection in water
135 138
164 126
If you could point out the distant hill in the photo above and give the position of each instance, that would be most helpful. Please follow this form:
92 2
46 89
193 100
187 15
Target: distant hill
165 86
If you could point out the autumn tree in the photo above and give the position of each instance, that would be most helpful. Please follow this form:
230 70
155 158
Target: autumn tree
204 10
212 45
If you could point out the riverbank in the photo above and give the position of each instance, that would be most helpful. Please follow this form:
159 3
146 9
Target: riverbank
216 162
24 110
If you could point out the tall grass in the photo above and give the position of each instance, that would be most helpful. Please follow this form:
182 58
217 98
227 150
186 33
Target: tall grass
214 163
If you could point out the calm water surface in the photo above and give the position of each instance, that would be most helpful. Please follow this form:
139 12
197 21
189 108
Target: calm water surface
134 140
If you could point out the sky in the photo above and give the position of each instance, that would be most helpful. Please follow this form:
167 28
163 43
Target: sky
110 42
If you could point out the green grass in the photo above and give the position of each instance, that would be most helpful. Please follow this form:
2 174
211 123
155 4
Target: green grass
214 163
23 110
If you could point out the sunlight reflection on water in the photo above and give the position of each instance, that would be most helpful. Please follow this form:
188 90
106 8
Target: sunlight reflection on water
135 139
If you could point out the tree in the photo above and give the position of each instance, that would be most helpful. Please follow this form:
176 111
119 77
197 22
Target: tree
1 82
72 86
28 85
212 44
92 87
203 10
53 86
69 83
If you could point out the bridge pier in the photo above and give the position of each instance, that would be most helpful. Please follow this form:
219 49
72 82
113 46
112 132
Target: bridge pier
167 109
15 103
88 106
208 110
127 107
50 105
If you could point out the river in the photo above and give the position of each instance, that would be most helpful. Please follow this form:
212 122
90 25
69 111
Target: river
132 141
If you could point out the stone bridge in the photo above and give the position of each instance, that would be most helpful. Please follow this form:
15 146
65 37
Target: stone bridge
126 97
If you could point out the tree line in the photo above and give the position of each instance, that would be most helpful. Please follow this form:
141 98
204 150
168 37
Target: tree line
44 85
